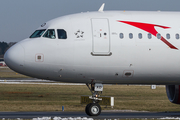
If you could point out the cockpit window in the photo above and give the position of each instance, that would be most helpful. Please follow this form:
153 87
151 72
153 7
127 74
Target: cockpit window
62 34
37 33
50 33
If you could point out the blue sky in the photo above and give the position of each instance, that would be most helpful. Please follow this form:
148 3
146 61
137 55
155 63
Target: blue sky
19 18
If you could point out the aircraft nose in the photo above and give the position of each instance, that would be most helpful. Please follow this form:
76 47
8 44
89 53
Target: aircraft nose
14 58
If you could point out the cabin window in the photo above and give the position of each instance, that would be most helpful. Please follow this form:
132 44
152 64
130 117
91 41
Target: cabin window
149 35
140 35
50 33
37 33
177 36
62 34
168 36
130 35
121 35
158 36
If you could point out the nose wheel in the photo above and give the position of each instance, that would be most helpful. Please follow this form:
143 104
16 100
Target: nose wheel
93 109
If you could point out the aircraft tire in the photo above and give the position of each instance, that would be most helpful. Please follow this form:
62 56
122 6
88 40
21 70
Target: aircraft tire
87 109
94 109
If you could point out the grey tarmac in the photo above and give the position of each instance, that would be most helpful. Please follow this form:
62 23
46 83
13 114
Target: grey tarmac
103 115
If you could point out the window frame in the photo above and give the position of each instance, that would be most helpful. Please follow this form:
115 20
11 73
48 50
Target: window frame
121 35
168 36
47 33
42 33
65 37
140 36
130 35
158 36
177 34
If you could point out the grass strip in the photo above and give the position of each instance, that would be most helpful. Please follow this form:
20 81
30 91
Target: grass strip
24 97
6 73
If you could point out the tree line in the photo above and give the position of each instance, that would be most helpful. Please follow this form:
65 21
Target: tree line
4 46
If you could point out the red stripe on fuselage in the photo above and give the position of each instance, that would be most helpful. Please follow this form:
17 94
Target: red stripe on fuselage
150 28
168 43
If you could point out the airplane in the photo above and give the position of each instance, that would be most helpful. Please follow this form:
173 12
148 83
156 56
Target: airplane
104 47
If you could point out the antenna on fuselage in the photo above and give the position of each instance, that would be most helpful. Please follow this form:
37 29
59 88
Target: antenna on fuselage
101 8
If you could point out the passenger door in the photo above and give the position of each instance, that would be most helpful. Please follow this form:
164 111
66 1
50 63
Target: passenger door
101 37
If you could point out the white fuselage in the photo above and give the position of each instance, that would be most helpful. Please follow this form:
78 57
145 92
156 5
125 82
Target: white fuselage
94 50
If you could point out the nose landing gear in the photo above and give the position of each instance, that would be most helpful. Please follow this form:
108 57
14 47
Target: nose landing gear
94 109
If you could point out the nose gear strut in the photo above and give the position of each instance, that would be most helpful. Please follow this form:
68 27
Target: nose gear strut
94 109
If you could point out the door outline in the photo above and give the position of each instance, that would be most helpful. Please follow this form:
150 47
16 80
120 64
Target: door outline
100 33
